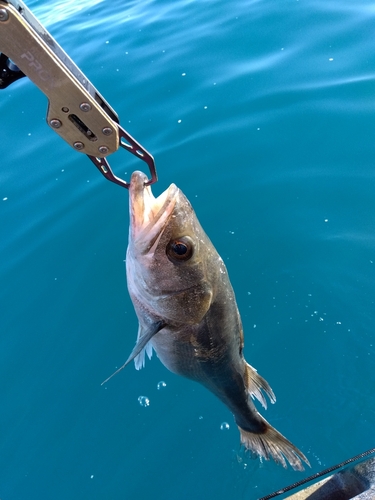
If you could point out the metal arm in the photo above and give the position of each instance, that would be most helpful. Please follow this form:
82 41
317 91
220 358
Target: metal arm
76 110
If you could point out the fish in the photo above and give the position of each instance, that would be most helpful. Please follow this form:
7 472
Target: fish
187 314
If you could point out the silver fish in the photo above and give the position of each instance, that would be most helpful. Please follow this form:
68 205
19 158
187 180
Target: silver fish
188 314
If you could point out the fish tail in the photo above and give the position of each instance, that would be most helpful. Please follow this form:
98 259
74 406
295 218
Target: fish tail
271 444
255 384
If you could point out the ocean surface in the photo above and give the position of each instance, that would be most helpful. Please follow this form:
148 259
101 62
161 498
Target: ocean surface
263 113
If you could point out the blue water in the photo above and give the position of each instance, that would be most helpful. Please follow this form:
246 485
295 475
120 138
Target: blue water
263 114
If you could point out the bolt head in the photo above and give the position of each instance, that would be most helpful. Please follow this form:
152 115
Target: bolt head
85 106
78 145
4 15
55 123
107 131
103 149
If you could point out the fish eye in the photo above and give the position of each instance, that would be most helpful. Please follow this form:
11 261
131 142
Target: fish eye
180 249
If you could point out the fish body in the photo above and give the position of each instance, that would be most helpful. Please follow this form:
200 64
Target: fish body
187 313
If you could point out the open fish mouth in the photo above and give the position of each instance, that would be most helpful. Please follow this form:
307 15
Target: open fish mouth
148 215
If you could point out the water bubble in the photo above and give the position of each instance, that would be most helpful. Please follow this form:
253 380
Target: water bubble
161 385
224 426
143 401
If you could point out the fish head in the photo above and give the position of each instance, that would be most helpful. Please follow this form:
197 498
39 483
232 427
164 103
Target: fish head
170 260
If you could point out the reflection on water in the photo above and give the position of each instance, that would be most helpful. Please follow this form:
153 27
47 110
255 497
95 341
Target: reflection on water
57 11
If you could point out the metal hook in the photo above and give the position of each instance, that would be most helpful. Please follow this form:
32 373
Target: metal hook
131 145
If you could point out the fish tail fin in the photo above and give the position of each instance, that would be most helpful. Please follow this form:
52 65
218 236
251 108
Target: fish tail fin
255 384
271 444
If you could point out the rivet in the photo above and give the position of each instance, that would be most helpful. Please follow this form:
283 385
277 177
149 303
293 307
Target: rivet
55 123
107 131
65 109
85 106
4 16
79 145
103 149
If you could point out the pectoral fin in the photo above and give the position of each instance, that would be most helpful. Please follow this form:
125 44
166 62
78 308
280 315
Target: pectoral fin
141 343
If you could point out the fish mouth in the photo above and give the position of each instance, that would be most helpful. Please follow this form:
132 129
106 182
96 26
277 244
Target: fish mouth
148 215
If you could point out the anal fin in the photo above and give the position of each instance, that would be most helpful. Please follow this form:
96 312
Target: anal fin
255 384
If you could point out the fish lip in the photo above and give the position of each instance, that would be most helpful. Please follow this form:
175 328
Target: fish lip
148 215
